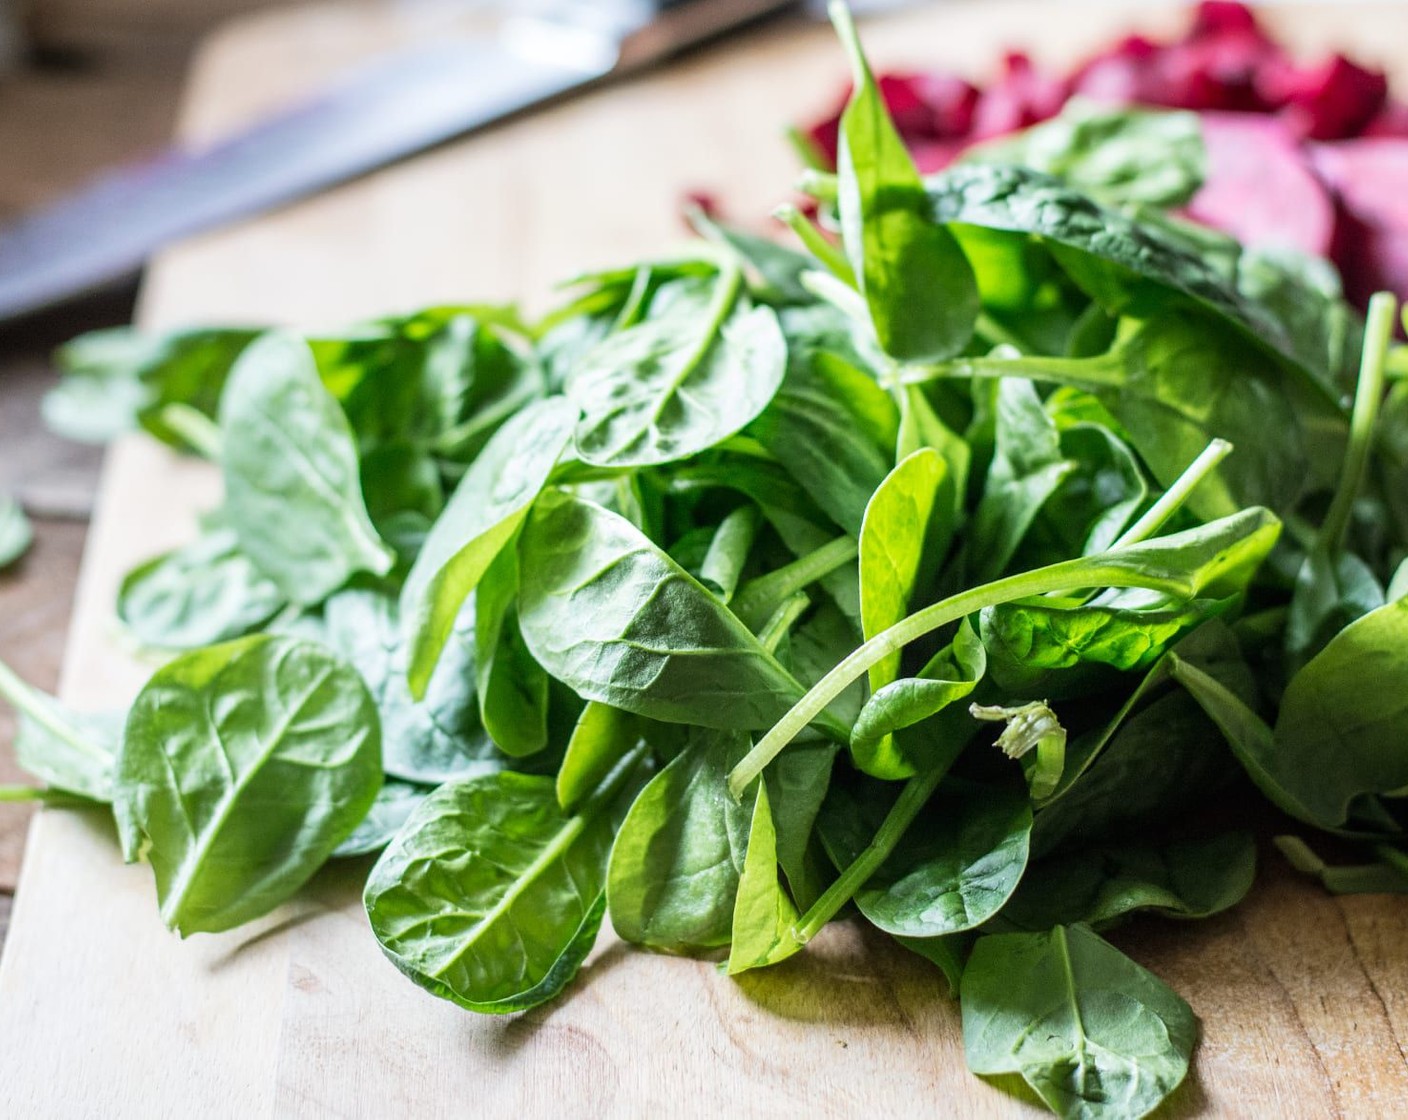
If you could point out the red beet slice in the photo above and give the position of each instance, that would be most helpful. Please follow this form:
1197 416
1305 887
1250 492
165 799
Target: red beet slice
1260 187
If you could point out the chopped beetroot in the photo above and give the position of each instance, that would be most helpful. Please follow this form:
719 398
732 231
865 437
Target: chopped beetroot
1391 120
1260 187
1331 101
1021 96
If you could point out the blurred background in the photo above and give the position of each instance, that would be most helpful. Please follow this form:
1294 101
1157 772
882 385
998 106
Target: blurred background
84 85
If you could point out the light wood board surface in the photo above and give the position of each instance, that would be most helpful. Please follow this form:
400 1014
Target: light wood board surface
1303 998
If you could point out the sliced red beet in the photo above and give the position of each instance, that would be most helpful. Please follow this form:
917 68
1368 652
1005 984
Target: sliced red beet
1331 101
1260 187
1021 96
1370 179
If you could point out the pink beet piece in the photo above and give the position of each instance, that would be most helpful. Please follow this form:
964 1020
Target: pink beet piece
1329 101
1370 179
1260 187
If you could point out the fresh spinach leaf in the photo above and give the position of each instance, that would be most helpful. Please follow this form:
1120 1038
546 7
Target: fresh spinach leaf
680 381
675 865
481 518
16 533
292 484
513 688
69 751
900 256
1100 885
764 915
613 617
950 676
1093 1033
200 594
956 866
898 523
491 896
243 766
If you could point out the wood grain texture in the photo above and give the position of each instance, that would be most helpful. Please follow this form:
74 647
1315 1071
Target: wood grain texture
1303 998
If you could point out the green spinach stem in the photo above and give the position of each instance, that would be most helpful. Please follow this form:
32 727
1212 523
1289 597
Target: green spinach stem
913 797
824 251
759 597
1378 334
1172 499
1091 571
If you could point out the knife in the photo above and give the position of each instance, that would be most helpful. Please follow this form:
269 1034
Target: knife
411 102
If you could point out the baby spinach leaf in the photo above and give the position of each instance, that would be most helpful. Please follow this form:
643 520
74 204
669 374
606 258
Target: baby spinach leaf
482 516
1119 155
1019 199
1098 499
292 485
728 552
797 785
900 257
764 916
1032 645
491 896
832 427
16 534
200 594
513 688
392 807
1094 1034
602 737
955 867
675 864
613 617
431 740
69 751
243 766
679 382
1027 468
892 539
1100 885
1347 704
950 676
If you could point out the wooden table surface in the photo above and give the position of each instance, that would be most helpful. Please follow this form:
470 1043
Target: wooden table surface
1303 997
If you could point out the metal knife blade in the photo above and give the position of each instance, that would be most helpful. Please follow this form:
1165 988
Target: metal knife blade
397 108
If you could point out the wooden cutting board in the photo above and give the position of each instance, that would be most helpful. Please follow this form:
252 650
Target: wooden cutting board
1303 997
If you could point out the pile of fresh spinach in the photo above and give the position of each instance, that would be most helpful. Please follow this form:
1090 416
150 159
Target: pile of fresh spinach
911 575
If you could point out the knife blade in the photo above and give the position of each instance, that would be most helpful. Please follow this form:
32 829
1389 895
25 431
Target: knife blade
404 105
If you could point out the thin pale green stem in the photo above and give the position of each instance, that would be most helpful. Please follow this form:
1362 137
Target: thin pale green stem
759 597
820 184
780 624
199 431
1090 571
1378 333
1101 371
1172 499
819 247
913 797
